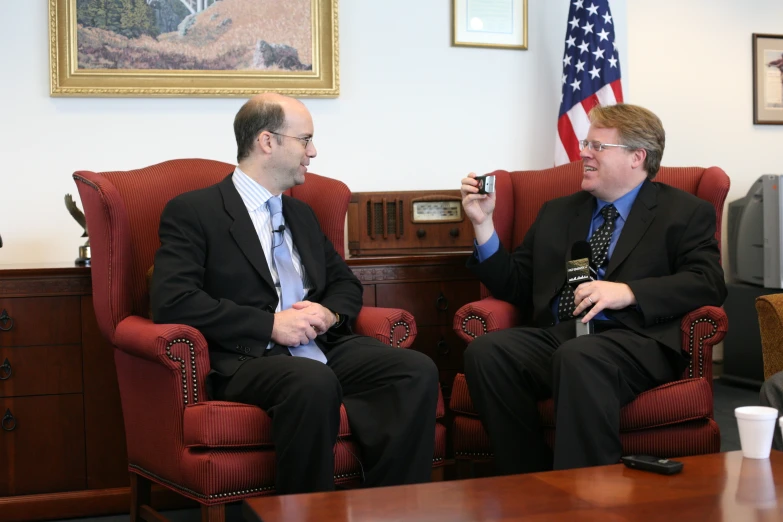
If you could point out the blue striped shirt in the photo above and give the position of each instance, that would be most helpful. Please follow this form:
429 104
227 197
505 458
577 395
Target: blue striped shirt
255 196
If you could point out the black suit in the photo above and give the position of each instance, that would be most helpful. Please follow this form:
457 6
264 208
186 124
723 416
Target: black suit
211 273
668 256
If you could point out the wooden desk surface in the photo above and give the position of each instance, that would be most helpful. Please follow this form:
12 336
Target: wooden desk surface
718 487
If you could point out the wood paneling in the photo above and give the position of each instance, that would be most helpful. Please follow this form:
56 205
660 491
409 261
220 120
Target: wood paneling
432 288
63 395
35 321
442 345
42 444
40 370
420 299
107 454
84 503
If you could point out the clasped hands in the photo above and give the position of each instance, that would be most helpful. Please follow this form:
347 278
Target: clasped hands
602 295
301 323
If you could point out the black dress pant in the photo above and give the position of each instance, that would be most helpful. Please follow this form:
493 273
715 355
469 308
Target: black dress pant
390 395
590 377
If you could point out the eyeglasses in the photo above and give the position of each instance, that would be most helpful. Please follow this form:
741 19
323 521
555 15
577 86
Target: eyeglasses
305 141
597 146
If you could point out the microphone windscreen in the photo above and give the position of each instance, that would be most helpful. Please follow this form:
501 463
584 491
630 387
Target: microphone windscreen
582 250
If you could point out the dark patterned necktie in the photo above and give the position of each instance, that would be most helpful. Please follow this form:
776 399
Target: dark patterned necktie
599 243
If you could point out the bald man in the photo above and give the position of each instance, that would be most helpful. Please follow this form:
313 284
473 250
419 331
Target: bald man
252 270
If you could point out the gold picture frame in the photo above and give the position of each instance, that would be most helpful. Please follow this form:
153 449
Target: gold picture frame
500 24
285 74
767 79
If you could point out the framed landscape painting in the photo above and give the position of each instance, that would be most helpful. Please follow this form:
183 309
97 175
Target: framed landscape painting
220 48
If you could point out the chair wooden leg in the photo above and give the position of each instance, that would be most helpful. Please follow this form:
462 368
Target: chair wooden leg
141 493
437 474
213 513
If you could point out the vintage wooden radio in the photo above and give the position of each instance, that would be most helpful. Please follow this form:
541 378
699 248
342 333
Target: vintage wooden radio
408 222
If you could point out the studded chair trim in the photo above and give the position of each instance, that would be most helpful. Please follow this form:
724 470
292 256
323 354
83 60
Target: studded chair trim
181 362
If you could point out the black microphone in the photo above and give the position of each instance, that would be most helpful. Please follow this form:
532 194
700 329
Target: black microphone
279 229
579 270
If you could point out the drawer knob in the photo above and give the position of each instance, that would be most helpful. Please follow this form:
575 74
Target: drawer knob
5 370
9 421
443 348
441 303
6 321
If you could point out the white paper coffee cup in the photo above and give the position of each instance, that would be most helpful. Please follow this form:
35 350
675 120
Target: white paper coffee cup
756 428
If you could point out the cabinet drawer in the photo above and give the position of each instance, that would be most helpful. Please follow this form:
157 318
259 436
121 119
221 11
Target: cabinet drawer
44 450
431 303
442 345
35 321
457 294
40 370
420 299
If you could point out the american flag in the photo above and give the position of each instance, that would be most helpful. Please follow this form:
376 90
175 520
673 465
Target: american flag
591 73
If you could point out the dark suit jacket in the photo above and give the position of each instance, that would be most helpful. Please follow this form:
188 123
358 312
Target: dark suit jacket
666 253
211 273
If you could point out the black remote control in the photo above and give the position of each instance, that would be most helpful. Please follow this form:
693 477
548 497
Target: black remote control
654 464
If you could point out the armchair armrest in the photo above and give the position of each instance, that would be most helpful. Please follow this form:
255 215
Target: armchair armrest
177 351
770 312
702 329
141 337
161 369
390 326
481 317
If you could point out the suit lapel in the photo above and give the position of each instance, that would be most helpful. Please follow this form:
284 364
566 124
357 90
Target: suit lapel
579 226
243 231
301 232
641 216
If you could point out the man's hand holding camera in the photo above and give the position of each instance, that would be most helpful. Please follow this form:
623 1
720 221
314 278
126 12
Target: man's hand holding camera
478 207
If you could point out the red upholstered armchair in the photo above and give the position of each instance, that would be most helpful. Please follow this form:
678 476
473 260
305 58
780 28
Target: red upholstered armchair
211 451
673 420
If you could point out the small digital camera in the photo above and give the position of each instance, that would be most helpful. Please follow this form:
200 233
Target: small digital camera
486 184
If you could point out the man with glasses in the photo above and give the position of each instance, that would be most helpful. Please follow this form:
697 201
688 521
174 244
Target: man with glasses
252 270
656 258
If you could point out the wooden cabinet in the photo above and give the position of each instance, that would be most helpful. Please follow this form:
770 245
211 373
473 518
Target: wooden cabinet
432 288
62 439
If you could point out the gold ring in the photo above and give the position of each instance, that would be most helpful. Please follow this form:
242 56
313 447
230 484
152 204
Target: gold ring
591 301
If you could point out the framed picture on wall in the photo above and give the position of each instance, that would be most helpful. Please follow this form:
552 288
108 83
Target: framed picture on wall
219 48
489 23
768 79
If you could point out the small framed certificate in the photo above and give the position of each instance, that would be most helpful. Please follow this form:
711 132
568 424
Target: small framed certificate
768 79
490 23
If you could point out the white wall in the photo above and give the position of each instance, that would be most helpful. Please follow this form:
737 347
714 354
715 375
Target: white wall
690 62
414 112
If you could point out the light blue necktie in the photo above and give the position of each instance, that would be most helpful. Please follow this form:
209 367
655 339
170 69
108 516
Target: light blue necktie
291 287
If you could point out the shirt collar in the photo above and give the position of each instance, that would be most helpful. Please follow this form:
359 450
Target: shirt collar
622 204
253 194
